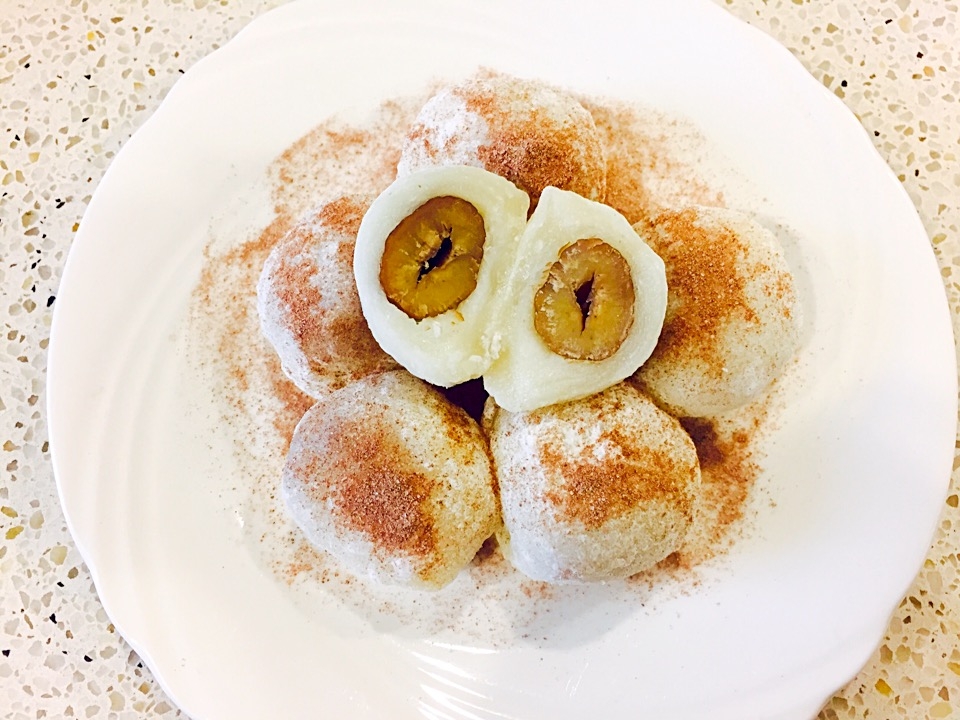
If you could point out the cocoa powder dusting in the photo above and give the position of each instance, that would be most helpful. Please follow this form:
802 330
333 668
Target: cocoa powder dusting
458 426
343 216
707 280
224 299
291 279
631 154
302 559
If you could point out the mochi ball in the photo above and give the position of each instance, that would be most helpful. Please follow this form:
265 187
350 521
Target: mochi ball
393 480
733 319
531 133
595 489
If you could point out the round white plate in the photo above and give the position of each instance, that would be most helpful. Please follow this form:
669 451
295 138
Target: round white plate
857 467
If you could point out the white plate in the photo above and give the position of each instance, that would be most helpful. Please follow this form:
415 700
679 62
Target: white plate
858 466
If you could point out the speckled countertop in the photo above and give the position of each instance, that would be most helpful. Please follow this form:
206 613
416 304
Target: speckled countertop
76 80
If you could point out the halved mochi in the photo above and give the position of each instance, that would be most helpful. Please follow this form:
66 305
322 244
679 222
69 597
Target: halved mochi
393 480
595 489
432 255
583 307
733 314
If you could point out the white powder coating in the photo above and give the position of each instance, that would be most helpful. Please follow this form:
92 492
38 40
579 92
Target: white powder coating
392 480
526 131
595 489
528 374
308 304
461 343
756 331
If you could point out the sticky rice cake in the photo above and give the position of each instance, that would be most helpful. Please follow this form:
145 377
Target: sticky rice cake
393 480
308 304
733 317
529 132
593 489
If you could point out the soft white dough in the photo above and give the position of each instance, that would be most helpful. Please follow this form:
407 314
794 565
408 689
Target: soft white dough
459 344
528 374
722 343
599 488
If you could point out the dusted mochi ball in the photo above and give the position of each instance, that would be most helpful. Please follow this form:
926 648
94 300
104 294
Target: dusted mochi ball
308 304
432 254
392 480
531 133
733 317
595 489
584 305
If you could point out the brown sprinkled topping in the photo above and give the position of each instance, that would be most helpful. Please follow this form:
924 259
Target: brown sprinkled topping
532 159
343 216
380 490
642 166
706 280
593 492
333 159
533 150
328 335
293 403
290 279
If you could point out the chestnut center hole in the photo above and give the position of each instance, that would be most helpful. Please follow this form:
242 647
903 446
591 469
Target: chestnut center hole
439 257
584 295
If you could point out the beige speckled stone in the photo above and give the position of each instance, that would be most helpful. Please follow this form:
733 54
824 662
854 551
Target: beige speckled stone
77 78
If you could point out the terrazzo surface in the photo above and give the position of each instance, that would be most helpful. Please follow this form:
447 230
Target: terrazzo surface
78 78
